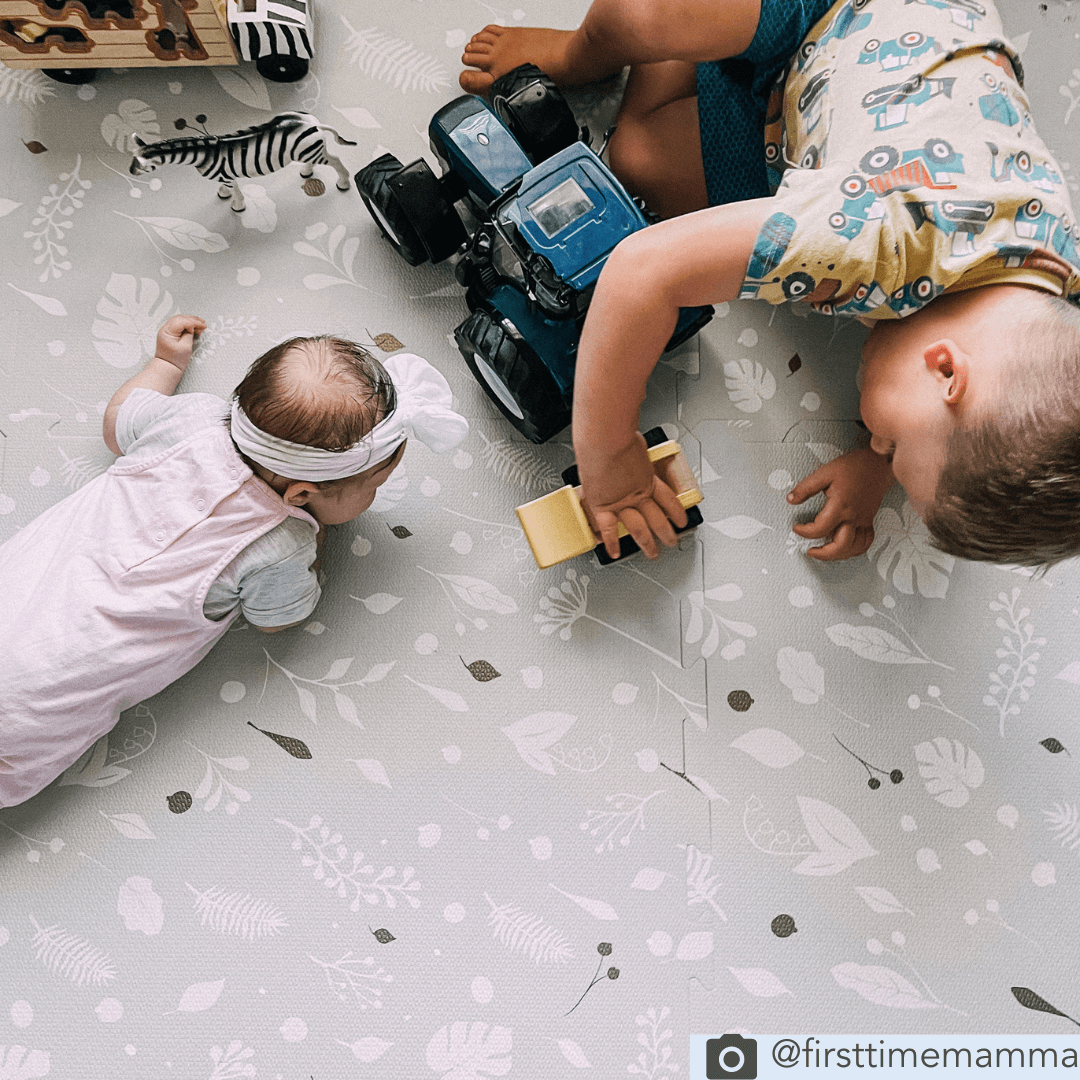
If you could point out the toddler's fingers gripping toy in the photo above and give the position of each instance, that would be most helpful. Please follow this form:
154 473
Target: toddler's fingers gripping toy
539 215
556 527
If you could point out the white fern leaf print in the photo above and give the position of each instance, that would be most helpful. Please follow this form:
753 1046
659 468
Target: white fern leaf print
389 59
27 87
519 464
77 470
521 931
701 888
237 913
73 957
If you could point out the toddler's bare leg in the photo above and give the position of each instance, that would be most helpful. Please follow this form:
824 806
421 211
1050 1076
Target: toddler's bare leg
656 148
615 33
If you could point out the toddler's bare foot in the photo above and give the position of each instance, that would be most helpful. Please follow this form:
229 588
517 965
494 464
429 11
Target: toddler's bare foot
495 50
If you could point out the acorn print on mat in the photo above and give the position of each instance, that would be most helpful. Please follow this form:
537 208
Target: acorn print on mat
740 700
783 926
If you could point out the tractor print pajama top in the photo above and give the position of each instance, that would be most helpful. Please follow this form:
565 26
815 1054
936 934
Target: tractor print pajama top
905 163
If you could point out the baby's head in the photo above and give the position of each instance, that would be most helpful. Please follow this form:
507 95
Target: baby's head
976 398
325 424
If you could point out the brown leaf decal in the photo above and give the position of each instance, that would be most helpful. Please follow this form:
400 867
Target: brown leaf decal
314 186
387 342
481 670
1030 1000
1054 746
34 146
288 744
400 531
794 364
179 801
383 937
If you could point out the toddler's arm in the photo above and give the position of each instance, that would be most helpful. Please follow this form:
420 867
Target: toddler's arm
699 258
172 353
854 486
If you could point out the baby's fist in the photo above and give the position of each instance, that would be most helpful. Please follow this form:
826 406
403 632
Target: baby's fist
176 339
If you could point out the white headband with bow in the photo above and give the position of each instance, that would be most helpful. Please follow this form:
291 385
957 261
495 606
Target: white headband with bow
423 410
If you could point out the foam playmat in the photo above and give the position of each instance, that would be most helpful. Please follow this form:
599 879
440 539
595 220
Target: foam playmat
475 819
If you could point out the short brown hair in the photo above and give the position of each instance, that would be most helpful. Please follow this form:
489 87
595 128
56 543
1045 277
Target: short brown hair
1009 491
340 396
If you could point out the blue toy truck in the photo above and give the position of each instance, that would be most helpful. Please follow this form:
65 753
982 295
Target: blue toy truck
530 215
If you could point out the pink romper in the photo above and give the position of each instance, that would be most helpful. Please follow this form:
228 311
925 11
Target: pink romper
103 597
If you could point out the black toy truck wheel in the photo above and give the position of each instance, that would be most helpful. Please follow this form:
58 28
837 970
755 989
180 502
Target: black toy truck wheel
411 209
513 376
535 111
282 67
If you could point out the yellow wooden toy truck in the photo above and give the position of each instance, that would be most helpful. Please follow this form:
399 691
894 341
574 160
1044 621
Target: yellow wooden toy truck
557 529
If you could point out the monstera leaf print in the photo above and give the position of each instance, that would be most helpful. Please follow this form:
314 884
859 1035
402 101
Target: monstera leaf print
127 330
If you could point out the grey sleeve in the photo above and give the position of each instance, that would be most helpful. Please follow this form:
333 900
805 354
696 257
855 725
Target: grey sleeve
281 592
136 413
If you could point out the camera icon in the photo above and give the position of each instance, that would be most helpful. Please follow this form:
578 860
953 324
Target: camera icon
731 1057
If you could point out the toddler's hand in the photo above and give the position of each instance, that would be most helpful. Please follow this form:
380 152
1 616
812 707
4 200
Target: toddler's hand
176 339
854 486
624 487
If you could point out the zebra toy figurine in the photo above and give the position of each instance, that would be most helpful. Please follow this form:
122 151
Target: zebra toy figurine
253 151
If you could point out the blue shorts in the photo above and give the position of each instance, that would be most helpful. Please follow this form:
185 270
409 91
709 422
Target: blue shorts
733 95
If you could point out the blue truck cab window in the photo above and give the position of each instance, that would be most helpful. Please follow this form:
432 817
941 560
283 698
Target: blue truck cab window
560 207
573 211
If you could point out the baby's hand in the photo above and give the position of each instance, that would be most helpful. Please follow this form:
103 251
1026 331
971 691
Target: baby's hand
854 486
176 339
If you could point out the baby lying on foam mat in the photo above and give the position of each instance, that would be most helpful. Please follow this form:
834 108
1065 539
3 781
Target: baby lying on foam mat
212 510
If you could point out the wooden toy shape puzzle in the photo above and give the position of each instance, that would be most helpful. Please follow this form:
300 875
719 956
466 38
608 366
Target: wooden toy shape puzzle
90 34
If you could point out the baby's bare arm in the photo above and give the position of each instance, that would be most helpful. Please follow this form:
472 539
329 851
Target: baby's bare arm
172 353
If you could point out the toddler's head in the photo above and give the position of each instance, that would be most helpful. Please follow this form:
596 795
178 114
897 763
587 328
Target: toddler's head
325 424
976 399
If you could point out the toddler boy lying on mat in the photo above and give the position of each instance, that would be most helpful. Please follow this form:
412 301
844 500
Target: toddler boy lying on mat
908 189
212 510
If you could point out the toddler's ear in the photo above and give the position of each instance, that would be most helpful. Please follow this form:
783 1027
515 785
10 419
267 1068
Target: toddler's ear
949 364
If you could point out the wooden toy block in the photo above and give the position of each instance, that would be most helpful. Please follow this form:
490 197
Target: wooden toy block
557 529
127 33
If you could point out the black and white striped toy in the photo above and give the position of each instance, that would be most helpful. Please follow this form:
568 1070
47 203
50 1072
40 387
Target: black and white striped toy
253 151
276 34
